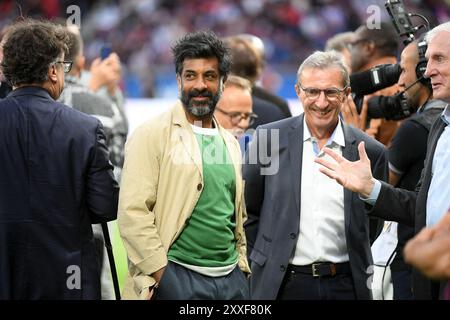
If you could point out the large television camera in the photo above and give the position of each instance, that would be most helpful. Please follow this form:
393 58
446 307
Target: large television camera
392 107
372 80
377 78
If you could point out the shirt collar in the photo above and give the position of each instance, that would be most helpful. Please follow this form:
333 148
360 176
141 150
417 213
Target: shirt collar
337 136
446 114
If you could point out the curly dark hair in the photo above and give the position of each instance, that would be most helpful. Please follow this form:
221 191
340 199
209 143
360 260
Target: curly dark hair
201 44
30 47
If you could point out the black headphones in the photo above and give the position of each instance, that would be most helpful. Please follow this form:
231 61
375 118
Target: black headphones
422 64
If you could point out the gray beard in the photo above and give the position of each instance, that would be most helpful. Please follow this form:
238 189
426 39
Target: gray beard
200 111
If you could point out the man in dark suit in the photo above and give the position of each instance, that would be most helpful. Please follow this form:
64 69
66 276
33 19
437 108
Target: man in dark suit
258 46
247 63
429 202
308 237
55 176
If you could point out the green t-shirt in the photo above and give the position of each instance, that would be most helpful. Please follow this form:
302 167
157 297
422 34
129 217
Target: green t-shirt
208 237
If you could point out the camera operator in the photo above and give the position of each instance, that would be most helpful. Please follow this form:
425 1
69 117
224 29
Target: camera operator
408 148
369 48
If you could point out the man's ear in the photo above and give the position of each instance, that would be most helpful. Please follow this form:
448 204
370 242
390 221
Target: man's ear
348 90
80 62
371 47
53 73
179 82
297 89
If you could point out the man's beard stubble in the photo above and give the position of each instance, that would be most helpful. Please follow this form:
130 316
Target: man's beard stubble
200 109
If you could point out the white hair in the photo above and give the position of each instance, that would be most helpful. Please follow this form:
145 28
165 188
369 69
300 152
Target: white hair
325 60
432 33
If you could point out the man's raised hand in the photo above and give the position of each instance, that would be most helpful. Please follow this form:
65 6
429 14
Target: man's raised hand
355 176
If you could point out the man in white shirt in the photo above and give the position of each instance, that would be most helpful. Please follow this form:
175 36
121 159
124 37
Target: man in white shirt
429 202
309 238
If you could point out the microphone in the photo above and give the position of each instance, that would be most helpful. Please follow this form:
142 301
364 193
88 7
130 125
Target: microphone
409 87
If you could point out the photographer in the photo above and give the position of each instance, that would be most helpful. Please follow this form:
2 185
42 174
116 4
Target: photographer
408 148
370 48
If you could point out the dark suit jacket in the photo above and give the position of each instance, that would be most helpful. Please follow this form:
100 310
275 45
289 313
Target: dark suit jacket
55 181
266 95
266 111
273 207
409 207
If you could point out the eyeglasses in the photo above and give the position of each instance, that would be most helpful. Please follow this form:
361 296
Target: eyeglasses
236 117
330 93
67 65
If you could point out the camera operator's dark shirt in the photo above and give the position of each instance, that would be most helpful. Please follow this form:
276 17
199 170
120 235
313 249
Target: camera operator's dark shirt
406 156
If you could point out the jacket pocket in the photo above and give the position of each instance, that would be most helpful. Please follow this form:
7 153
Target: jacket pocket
258 257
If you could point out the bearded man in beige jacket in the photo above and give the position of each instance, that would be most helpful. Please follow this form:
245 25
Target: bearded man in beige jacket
181 208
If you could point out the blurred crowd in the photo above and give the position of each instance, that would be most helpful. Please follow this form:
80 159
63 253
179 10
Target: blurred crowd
142 31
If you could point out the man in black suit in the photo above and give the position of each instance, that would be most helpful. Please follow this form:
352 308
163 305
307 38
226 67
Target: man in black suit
247 63
430 201
258 46
55 176
308 237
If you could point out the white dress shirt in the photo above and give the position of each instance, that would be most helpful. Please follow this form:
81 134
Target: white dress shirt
438 202
322 224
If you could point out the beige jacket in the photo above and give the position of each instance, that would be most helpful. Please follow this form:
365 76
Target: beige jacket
161 184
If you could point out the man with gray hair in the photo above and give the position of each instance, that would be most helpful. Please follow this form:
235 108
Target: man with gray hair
325 254
430 201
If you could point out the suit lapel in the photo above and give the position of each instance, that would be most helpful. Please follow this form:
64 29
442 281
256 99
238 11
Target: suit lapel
421 207
349 152
295 148
435 137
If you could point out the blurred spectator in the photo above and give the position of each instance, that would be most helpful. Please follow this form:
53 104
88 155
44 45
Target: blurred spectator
340 43
258 91
141 31
80 97
76 94
369 48
246 63
234 109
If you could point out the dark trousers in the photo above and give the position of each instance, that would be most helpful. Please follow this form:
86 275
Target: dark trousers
300 286
402 284
180 283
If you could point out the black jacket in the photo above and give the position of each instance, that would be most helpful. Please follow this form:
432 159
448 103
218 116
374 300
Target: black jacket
55 181
409 207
